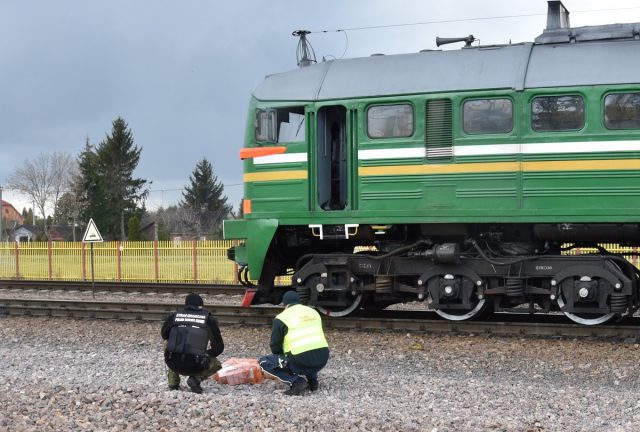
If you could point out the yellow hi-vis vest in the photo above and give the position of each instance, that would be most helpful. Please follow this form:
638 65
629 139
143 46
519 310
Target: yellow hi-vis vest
304 329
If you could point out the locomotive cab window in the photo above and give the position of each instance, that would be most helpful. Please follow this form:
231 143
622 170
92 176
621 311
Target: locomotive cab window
280 125
390 121
483 116
622 111
557 113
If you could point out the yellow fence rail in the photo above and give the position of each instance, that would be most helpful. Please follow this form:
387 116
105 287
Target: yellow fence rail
166 261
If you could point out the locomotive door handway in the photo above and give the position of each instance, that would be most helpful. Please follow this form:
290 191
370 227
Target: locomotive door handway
332 159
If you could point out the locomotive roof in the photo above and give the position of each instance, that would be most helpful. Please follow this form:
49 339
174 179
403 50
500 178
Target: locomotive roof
608 54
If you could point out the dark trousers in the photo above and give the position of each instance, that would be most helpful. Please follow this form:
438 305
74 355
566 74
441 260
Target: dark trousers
285 370
213 366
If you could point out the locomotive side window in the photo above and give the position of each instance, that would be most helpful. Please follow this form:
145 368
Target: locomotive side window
280 125
622 111
266 125
390 121
482 116
557 113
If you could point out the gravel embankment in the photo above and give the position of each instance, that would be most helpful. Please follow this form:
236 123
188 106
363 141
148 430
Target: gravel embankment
100 375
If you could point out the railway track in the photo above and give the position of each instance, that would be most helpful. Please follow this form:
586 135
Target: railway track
120 287
420 321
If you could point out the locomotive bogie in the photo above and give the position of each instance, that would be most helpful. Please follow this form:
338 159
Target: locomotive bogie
588 289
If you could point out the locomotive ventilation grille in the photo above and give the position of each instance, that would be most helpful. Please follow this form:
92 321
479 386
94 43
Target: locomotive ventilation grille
439 129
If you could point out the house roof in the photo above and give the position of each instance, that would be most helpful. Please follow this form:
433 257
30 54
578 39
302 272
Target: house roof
8 204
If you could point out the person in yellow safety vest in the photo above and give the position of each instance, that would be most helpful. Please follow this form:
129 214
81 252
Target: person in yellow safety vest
299 347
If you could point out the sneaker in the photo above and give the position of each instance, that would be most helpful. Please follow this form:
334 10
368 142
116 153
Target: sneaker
174 386
313 385
194 385
297 388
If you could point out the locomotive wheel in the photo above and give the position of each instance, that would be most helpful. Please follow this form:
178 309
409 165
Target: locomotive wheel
461 314
585 318
586 274
473 305
334 312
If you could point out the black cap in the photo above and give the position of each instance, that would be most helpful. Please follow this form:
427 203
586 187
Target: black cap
290 297
194 300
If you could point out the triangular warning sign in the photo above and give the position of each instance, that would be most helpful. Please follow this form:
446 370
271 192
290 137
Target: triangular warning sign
92 234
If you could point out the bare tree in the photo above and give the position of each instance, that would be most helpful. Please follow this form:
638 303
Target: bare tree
183 220
64 169
44 179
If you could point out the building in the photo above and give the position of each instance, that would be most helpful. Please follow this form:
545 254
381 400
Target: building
24 233
29 233
10 218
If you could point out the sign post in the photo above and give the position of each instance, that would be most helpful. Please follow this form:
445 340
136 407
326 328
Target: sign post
92 235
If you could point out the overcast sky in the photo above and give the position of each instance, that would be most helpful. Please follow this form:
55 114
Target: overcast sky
181 72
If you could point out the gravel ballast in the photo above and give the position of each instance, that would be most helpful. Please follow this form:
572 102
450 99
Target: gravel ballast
103 375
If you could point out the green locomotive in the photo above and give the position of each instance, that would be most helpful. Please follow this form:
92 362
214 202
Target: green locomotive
458 178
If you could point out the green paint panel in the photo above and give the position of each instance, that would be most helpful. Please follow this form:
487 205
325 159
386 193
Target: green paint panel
517 194
258 234
274 196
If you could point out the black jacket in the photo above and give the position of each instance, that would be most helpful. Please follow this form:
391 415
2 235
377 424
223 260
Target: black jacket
215 338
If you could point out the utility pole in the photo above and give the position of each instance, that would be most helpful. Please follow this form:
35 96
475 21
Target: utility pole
1 211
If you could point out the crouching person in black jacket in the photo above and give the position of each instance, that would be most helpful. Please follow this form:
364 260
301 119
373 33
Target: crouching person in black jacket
187 335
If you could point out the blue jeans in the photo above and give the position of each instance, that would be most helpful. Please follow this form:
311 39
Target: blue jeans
282 368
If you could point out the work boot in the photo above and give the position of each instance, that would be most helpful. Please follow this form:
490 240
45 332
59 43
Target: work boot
313 384
194 385
174 386
297 388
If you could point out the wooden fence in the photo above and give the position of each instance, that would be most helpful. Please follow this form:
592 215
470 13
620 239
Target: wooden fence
129 261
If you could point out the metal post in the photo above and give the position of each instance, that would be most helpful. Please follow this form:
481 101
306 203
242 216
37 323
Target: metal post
93 285
1 211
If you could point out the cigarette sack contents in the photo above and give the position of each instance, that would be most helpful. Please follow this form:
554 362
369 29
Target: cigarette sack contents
239 371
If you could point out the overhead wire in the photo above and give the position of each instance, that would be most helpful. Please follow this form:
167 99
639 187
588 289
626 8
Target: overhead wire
448 21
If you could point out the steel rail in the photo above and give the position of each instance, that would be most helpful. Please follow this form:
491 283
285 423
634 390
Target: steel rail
125 287
416 321
130 310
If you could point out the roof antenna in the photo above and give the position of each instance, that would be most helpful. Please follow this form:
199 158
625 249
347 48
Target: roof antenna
305 54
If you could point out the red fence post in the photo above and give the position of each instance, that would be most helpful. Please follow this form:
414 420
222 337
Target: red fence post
17 249
195 260
119 260
49 258
155 260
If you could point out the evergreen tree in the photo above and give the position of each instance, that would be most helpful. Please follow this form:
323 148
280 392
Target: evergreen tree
205 199
89 188
27 216
163 232
240 213
134 229
117 158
